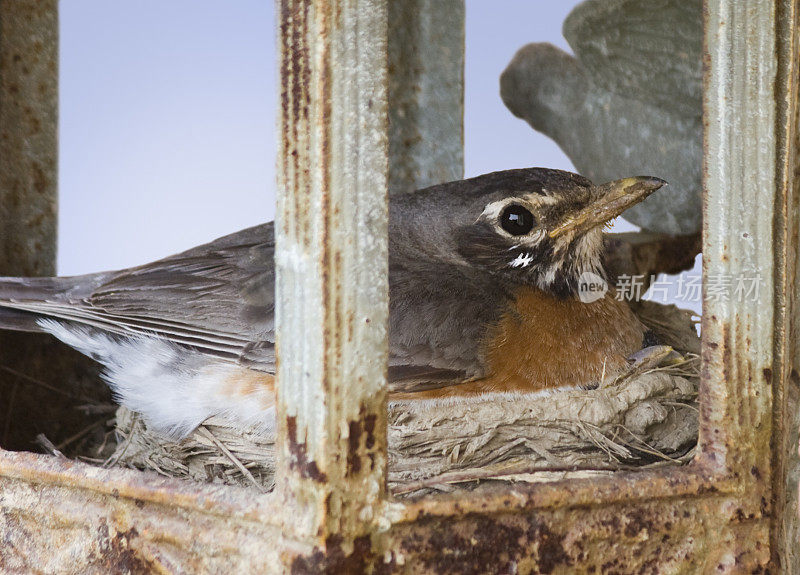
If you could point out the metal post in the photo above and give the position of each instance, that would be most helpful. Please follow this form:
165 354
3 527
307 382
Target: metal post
426 93
28 212
785 531
28 140
750 399
332 288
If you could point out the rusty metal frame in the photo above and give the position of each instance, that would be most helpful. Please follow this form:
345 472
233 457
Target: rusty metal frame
332 272
733 509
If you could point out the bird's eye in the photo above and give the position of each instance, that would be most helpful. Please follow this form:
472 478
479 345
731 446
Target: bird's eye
517 220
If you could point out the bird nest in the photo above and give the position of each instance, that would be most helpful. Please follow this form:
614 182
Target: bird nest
646 416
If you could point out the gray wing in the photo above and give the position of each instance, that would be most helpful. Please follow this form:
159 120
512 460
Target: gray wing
218 298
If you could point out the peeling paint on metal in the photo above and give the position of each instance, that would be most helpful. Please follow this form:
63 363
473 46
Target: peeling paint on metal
332 313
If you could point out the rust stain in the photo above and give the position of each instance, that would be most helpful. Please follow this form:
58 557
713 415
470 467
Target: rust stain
370 421
361 442
116 554
651 538
353 444
298 455
296 104
333 559
490 545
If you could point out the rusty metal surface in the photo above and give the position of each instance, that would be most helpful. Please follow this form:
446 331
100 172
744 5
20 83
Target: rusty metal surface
703 535
785 533
744 338
426 93
331 280
59 516
28 140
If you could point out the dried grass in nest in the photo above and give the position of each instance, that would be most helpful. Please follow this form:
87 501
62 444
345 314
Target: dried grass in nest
644 417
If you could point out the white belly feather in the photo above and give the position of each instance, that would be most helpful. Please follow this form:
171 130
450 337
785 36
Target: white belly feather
174 388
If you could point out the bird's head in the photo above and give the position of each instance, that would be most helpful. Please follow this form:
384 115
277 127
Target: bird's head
532 226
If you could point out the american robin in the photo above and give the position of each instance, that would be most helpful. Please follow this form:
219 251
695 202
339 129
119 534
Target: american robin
485 277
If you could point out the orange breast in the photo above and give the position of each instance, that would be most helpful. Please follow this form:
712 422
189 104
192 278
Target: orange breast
547 342
544 342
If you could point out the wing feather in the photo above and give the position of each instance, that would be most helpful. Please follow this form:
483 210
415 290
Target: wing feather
217 298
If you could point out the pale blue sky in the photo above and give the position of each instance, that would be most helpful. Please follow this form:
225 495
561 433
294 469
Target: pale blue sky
166 126
168 119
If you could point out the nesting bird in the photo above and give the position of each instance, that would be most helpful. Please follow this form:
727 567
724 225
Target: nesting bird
484 277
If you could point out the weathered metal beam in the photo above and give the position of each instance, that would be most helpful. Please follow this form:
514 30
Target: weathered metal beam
28 136
332 286
746 256
785 532
124 521
426 93
695 535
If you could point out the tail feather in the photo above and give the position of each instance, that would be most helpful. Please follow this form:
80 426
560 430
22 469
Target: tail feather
46 289
14 320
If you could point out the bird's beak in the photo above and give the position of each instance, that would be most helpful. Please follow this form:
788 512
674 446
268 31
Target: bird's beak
611 200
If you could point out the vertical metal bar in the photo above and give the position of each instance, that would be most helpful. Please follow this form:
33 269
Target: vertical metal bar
739 238
332 287
786 381
28 205
426 93
750 254
28 140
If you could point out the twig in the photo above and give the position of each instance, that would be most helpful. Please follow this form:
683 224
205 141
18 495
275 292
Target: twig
81 433
48 446
117 455
246 472
96 408
40 383
638 442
